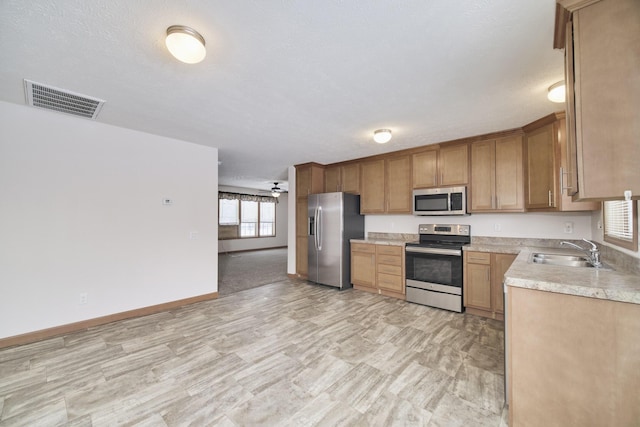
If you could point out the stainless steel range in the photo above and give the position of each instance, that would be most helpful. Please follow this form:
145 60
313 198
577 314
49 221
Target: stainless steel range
434 266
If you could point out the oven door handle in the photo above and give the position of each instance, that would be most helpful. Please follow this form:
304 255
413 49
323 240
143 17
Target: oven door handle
437 251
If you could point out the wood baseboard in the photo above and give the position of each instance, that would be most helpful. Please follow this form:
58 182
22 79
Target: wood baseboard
43 334
484 313
380 292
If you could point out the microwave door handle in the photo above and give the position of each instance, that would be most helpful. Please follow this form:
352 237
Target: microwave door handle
450 195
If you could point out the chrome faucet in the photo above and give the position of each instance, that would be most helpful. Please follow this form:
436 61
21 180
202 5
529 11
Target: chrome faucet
593 252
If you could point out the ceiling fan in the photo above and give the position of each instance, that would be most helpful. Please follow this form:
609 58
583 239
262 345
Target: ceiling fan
276 191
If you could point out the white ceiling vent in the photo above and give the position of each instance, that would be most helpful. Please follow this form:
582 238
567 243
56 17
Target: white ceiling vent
64 101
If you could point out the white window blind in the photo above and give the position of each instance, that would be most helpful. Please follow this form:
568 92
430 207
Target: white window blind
618 217
228 212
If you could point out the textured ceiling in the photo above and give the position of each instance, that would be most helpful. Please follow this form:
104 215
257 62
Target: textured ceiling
287 82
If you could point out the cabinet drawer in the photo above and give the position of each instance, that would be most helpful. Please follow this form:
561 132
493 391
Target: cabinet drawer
389 260
389 250
479 257
390 269
389 281
363 247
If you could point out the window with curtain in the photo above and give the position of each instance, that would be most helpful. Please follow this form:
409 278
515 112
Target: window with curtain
245 216
621 223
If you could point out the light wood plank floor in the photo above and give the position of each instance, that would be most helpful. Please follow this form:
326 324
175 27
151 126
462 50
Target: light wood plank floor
288 353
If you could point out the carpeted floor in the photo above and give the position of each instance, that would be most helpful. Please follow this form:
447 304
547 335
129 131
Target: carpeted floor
238 271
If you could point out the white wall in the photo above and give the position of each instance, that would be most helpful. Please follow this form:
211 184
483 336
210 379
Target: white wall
279 240
81 212
291 239
529 225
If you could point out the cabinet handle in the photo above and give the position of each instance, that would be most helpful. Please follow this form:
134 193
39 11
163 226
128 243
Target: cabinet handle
435 179
497 202
488 278
550 195
562 174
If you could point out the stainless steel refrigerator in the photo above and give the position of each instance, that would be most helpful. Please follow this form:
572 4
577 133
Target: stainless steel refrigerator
333 219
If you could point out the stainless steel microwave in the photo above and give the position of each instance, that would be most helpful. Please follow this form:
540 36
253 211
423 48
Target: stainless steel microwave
440 201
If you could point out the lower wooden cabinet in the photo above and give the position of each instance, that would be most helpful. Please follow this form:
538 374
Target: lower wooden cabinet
363 265
572 360
378 268
482 288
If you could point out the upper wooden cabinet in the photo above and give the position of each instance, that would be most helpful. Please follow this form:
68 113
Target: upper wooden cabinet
602 63
425 168
398 185
441 166
497 178
342 178
386 185
546 166
540 166
309 179
372 194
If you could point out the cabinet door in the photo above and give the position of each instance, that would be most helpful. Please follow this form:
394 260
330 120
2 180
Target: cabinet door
372 187
565 201
571 162
453 164
482 176
509 179
398 185
425 169
540 168
363 268
500 263
477 292
332 179
607 90
351 178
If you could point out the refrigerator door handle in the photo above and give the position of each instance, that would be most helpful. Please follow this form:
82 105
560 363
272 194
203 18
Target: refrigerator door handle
319 225
315 228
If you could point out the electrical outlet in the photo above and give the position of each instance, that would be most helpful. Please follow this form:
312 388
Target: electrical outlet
497 227
83 298
568 227
599 225
167 202
193 235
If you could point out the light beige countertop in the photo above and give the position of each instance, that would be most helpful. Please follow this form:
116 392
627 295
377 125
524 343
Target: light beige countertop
500 249
615 283
379 241
609 284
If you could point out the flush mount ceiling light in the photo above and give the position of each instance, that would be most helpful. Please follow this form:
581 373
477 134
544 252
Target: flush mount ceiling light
186 44
382 136
557 92
275 194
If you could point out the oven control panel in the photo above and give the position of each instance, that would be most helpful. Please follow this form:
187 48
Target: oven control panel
447 229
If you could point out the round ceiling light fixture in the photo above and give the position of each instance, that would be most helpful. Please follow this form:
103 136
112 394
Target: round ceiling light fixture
186 44
382 136
557 92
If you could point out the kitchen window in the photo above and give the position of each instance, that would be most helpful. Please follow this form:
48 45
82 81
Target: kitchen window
245 216
621 223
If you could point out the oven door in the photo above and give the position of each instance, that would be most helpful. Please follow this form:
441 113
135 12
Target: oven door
434 266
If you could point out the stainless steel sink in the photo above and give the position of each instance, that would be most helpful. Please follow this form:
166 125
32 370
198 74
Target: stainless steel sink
561 260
